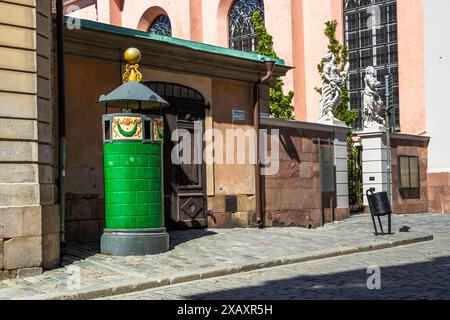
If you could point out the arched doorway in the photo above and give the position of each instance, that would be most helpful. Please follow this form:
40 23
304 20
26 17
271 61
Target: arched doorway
185 184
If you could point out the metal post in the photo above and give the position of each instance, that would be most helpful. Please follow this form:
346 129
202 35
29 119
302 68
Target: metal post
321 194
331 144
388 138
256 124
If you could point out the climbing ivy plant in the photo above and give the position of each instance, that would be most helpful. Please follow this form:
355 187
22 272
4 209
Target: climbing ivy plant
342 112
280 103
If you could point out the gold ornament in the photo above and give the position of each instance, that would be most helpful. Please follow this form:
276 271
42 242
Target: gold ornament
132 56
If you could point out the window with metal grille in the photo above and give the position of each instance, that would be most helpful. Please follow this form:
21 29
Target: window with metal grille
371 36
242 33
161 25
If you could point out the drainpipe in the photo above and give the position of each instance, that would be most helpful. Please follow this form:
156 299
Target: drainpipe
61 115
270 66
256 123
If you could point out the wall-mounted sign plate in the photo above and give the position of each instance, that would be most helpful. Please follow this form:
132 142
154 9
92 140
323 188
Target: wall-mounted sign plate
238 115
231 203
326 170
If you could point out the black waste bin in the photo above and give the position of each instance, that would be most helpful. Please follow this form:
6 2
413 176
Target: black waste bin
379 206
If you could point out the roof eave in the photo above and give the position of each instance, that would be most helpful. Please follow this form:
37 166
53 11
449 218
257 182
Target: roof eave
176 54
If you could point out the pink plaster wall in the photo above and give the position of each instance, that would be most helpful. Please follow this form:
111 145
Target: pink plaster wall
178 12
115 10
103 11
280 28
315 14
196 24
149 16
298 60
88 13
220 10
411 66
297 27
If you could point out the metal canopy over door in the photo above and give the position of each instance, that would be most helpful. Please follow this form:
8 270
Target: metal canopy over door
185 184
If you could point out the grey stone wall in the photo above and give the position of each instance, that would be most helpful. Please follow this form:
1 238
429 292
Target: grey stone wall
29 217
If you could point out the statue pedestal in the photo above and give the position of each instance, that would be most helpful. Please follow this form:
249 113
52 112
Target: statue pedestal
374 160
332 122
341 164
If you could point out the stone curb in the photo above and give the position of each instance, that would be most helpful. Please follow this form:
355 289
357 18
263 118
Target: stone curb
137 285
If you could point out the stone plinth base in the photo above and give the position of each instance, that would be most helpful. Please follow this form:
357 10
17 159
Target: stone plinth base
374 161
137 242
340 160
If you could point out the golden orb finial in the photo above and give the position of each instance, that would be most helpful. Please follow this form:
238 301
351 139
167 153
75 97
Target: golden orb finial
132 56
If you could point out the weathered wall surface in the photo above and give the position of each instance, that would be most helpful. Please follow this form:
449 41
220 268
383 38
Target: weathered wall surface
84 165
292 197
236 180
414 200
84 178
29 218
439 192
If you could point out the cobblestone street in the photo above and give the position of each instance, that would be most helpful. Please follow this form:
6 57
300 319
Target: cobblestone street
417 271
208 254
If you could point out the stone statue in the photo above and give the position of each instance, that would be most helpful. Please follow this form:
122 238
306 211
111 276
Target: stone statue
372 102
332 81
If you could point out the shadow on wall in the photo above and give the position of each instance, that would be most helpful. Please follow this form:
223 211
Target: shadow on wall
288 145
417 281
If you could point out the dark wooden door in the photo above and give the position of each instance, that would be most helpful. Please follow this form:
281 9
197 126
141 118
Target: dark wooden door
185 183
185 201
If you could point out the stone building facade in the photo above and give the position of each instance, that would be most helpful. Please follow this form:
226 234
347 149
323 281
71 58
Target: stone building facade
29 217
377 33
94 71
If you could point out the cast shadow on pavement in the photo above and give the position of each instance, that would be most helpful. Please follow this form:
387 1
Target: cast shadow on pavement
179 237
75 251
426 280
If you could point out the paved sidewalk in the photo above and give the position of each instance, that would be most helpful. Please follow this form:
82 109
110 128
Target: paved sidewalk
413 272
201 254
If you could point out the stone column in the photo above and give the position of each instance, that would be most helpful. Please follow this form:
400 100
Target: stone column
340 160
374 161
29 219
